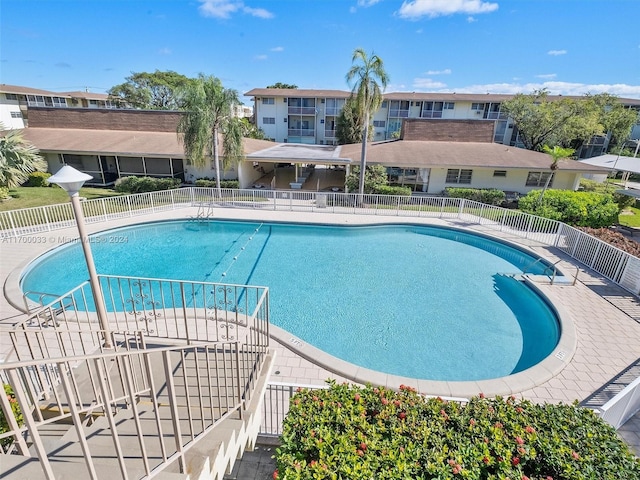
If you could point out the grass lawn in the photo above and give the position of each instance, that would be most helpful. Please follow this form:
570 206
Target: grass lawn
630 217
25 197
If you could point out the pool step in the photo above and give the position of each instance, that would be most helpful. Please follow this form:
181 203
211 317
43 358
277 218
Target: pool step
558 280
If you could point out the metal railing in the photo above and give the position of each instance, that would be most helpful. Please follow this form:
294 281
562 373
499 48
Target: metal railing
623 406
188 355
607 260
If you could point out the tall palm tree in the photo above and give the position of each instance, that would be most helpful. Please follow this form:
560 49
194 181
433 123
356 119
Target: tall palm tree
557 153
18 158
208 108
368 76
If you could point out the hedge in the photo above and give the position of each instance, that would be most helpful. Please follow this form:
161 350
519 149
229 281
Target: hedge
145 184
490 196
38 179
205 182
581 209
358 433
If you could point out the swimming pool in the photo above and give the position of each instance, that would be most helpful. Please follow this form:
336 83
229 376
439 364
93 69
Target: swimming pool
410 300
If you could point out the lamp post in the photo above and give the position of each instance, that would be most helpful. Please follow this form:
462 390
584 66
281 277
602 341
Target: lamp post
71 181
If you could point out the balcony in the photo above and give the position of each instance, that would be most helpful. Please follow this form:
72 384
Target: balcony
328 133
397 113
302 110
301 132
431 114
495 116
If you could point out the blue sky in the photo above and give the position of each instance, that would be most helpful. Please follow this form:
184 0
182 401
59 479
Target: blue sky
570 47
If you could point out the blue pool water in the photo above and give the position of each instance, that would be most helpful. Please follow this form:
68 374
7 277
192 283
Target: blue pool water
416 301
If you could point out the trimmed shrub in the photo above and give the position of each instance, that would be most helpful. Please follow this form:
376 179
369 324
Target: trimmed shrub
4 193
490 196
388 190
206 182
38 179
145 184
582 209
621 199
368 433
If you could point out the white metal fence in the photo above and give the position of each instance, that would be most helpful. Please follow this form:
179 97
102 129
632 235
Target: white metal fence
607 260
623 406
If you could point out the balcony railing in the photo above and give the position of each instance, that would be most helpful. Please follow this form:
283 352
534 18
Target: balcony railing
301 132
302 110
431 114
328 133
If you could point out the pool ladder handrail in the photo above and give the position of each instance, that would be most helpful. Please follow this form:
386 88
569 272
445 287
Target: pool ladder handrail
552 277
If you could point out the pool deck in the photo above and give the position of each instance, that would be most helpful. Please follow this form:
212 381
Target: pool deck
605 318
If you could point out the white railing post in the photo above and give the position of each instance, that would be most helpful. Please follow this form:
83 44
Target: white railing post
46 218
104 208
153 208
461 207
129 205
13 225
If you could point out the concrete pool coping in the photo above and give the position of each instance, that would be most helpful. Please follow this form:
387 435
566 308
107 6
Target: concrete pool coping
527 379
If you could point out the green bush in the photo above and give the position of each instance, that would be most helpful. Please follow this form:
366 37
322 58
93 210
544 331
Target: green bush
582 209
206 182
388 190
145 184
349 432
15 408
490 196
38 179
621 199
4 193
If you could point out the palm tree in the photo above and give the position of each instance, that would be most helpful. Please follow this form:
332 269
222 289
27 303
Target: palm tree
366 72
18 158
208 114
557 153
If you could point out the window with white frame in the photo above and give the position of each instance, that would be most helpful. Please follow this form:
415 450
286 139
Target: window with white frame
499 173
538 179
477 106
379 123
458 175
59 101
268 120
449 105
11 96
268 101
16 114
35 100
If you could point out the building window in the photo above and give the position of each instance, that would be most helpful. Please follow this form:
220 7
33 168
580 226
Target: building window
449 105
499 173
538 179
59 102
11 96
477 106
35 100
455 175
379 123
268 120
268 101
16 114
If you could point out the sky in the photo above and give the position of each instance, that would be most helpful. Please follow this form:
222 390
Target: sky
570 47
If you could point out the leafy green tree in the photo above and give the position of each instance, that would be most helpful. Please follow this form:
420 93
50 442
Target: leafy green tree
150 91
567 122
283 85
369 79
249 130
375 177
349 125
18 158
208 108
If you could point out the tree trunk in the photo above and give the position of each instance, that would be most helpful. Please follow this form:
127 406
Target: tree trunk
553 167
363 157
216 160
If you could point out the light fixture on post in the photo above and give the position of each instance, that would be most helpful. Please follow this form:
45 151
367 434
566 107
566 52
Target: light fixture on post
71 181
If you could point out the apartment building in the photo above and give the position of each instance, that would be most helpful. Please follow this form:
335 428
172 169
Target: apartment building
310 116
15 102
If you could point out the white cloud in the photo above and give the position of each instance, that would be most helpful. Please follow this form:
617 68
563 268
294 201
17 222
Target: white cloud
446 71
225 8
277 49
471 19
165 51
414 9
557 52
260 57
367 3
257 12
427 83
554 88
546 76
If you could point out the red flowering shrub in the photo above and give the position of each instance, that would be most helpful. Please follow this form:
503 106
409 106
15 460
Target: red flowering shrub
410 437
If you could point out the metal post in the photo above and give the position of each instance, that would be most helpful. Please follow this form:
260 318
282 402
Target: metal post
96 291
